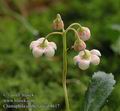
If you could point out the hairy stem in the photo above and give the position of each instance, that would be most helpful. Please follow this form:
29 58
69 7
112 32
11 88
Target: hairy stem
65 71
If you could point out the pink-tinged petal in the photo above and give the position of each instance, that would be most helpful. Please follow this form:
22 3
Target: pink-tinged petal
95 52
37 52
84 64
40 40
49 52
34 44
95 60
76 59
81 53
52 44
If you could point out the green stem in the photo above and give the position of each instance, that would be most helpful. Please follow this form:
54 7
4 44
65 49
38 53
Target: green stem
75 24
52 33
65 71
68 29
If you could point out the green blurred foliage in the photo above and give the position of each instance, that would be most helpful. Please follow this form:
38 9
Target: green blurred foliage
20 72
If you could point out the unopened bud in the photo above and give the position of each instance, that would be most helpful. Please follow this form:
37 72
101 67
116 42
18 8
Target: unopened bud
84 33
79 45
58 23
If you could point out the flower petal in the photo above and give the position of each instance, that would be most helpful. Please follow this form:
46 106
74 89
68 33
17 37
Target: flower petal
37 42
52 44
76 59
40 40
84 64
37 52
49 52
95 60
95 52
34 44
81 53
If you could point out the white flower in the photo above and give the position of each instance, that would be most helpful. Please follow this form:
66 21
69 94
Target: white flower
39 48
85 58
84 33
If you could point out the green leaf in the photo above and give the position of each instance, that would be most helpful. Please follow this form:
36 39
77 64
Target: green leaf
100 88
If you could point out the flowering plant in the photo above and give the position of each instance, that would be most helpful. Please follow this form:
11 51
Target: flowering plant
84 58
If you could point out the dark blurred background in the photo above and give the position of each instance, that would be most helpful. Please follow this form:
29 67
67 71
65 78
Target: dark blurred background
20 72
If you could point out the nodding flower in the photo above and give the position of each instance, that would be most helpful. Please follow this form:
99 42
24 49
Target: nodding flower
42 46
84 33
86 57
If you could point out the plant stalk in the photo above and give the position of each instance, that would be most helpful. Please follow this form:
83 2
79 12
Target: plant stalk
65 71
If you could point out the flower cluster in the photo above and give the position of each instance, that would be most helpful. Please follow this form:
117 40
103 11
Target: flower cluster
85 57
82 34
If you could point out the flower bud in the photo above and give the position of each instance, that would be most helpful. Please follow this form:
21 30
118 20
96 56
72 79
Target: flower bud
58 23
84 33
79 45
